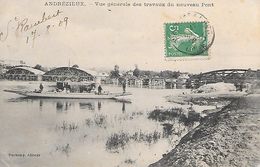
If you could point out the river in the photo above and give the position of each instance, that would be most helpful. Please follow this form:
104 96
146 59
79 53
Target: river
96 133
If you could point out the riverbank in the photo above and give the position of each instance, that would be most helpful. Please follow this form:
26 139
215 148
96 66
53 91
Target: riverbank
229 137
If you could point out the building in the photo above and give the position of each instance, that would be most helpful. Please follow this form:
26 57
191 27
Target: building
182 80
101 77
23 73
129 73
5 65
170 83
71 73
134 82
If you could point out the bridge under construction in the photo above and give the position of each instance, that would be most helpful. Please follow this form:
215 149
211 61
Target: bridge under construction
225 75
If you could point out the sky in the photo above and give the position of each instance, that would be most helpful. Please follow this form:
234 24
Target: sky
104 36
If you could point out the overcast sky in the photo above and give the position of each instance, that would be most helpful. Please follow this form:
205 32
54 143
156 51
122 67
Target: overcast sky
102 37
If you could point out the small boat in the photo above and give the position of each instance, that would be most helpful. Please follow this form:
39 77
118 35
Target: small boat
67 95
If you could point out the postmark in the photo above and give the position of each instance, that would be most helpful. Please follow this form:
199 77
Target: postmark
192 37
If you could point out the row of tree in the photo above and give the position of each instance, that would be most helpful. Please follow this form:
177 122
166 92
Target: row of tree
146 73
115 73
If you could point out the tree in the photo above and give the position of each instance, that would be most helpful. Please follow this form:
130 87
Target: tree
115 72
75 66
38 67
116 68
136 71
169 74
22 62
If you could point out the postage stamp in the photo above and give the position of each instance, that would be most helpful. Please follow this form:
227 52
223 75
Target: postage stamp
189 39
186 39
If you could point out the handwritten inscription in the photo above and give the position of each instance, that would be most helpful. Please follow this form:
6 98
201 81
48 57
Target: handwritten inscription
4 35
24 26
33 29
23 155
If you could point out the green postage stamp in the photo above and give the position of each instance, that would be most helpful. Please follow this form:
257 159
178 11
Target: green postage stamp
186 39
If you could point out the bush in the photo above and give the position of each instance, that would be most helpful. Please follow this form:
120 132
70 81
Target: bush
165 115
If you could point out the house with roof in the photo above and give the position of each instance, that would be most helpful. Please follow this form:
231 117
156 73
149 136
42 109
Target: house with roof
23 73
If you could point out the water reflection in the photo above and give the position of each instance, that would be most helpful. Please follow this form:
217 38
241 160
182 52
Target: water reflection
123 107
19 99
41 103
88 105
65 105
99 105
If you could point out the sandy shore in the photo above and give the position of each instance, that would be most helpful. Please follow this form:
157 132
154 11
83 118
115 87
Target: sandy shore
228 138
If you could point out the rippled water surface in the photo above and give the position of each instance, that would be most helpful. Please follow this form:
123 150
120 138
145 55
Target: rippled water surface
92 133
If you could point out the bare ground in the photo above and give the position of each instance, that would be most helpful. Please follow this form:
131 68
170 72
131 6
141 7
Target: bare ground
228 138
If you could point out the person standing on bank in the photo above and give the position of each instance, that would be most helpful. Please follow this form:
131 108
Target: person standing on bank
124 85
99 89
41 87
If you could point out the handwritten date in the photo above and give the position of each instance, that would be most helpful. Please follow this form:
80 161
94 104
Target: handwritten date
33 29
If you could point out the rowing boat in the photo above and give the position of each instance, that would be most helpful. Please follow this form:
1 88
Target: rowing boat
66 95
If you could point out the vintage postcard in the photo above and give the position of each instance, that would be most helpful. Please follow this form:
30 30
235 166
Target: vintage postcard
147 83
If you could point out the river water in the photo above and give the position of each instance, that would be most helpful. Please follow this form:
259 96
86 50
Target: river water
94 133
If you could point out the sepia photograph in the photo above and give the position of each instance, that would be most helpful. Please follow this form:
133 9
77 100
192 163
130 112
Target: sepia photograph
148 83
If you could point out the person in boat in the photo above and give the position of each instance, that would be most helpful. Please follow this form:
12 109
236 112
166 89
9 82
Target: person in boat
68 88
99 89
41 88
